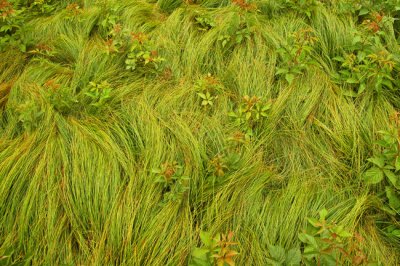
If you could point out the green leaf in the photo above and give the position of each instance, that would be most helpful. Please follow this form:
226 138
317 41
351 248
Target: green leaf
281 71
329 260
397 163
308 239
338 58
363 11
200 253
352 80
392 178
379 161
361 88
373 175
395 233
389 167
202 95
248 115
5 28
349 93
322 214
356 39
314 222
387 83
293 257
232 114
339 230
277 253
206 238
289 78
393 197
239 38
22 47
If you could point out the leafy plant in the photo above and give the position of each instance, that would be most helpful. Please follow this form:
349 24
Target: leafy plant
385 166
245 5
237 38
238 138
72 11
362 71
112 30
376 22
366 7
281 257
142 54
42 49
29 115
61 98
215 250
296 55
98 94
250 112
11 26
306 7
109 21
175 184
206 88
222 164
325 243
204 22
43 6
206 99
238 32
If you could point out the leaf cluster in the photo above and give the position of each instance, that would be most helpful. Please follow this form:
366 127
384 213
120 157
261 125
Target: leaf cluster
217 250
250 112
325 243
295 57
175 184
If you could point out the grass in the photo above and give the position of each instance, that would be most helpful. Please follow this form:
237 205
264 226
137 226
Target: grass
76 186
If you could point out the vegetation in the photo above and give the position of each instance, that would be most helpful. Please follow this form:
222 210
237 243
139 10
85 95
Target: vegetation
199 132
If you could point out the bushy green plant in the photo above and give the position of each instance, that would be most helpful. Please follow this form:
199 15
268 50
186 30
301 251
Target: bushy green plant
61 98
207 88
306 7
142 54
325 243
29 115
11 26
97 96
72 11
175 184
281 257
204 22
238 32
363 71
215 250
108 22
245 5
385 168
237 37
13 17
220 165
296 55
249 112
366 7
92 98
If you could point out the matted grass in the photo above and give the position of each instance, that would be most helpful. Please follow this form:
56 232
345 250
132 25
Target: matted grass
77 188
